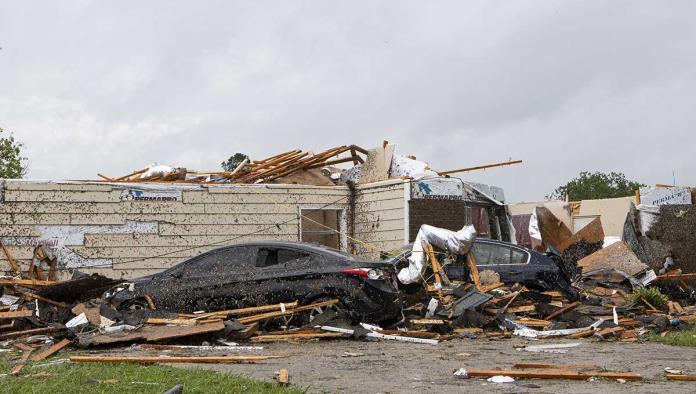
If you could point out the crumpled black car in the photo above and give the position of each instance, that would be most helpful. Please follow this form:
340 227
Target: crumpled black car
514 264
262 273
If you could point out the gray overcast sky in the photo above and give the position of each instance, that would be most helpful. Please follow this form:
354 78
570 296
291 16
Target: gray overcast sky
96 86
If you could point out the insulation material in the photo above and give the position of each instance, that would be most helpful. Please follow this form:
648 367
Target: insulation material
534 226
407 167
157 169
458 242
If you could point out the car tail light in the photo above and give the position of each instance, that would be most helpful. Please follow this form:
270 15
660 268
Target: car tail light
369 273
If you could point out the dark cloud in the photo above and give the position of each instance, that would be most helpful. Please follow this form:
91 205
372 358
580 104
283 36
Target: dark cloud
564 85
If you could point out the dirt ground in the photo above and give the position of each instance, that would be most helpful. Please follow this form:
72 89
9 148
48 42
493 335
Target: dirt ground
395 367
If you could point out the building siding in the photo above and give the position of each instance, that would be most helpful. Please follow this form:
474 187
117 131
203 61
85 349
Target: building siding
93 228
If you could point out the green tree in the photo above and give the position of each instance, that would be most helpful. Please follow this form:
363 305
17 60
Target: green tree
234 160
12 163
596 185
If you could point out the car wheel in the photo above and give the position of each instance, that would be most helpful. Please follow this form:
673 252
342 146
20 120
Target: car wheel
309 316
135 305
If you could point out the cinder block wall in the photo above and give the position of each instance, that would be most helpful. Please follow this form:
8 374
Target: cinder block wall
100 228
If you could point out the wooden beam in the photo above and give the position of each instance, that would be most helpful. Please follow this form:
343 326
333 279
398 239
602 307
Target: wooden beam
467 169
271 315
22 360
471 262
240 311
16 314
676 277
43 299
51 350
26 282
690 378
193 359
563 310
427 321
283 377
552 374
13 263
290 337
33 331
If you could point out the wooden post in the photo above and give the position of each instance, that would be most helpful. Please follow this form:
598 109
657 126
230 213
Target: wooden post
471 262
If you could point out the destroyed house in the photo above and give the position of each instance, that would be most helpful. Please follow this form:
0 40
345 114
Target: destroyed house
134 229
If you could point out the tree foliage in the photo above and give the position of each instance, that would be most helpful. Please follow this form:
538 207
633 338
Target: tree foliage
12 163
592 186
234 160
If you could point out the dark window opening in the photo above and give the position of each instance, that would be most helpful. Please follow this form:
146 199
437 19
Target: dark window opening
267 257
321 226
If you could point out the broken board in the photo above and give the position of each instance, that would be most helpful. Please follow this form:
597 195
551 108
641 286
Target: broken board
592 233
152 334
617 256
377 165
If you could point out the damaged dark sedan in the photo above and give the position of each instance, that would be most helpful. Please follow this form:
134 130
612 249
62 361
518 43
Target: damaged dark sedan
514 264
262 273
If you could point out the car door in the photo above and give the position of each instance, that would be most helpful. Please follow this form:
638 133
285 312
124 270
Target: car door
279 271
508 261
208 281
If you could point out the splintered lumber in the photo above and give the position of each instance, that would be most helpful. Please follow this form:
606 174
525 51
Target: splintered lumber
521 309
51 350
510 301
607 332
438 272
153 333
8 255
33 331
271 315
43 299
471 262
534 323
554 366
690 378
242 311
493 286
22 360
291 337
173 359
26 282
552 374
16 314
416 334
427 321
676 277
185 322
283 377
563 310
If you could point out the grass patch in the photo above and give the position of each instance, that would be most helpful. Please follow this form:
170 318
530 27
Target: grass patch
123 378
680 338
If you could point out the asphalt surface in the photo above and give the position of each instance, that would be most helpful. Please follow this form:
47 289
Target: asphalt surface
346 366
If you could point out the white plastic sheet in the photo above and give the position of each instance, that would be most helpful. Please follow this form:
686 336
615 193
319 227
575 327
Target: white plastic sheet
157 169
534 226
458 242
404 166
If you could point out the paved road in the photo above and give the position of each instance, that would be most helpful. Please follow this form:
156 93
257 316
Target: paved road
393 367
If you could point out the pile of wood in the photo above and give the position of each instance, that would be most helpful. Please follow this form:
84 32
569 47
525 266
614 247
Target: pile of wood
254 171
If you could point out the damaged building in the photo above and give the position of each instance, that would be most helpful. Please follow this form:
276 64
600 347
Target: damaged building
128 228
